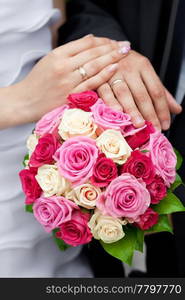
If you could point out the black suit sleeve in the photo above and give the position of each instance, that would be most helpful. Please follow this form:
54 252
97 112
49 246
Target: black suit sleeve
90 16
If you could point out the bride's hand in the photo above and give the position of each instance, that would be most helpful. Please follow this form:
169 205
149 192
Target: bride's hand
57 74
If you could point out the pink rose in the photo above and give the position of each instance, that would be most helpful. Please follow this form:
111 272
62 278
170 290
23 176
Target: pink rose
50 121
76 231
76 158
108 118
44 151
157 189
30 185
52 212
104 171
140 137
163 157
125 197
148 219
82 100
139 165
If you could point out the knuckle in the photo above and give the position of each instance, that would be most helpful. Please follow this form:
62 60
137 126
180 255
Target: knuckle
114 55
145 61
91 68
158 93
120 90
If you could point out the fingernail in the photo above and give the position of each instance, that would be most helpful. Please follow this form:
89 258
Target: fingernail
90 34
165 125
124 50
112 67
139 121
124 43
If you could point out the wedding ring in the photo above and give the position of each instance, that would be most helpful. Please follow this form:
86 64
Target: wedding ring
82 73
115 82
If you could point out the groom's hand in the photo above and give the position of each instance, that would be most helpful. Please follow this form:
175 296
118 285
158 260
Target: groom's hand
137 90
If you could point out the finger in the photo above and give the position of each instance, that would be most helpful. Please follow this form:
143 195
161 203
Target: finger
124 97
105 92
96 81
75 47
93 67
158 96
93 53
174 107
142 99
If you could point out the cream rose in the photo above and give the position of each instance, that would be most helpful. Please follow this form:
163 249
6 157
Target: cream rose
106 228
50 181
77 122
114 146
84 195
31 143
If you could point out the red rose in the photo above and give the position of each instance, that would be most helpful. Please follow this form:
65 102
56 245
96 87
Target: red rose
157 189
30 185
148 219
76 231
44 151
141 137
83 100
139 165
104 171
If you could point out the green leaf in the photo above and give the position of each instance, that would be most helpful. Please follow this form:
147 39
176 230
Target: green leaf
124 248
25 158
169 205
179 159
139 240
145 151
60 243
162 225
178 181
29 208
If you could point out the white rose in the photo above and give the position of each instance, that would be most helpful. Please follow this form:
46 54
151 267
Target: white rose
31 143
114 146
106 228
84 195
77 122
50 181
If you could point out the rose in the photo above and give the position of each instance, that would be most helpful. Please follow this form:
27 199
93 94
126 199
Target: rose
162 156
148 219
104 171
108 118
141 137
139 165
31 143
76 231
106 228
114 146
50 121
76 158
157 189
30 185
84 195
82 100
44 151
52 212
125 197
77 122
51 182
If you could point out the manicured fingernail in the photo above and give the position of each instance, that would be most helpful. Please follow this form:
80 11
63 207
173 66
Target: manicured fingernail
165 125
124 50
124 43
139 121
112 67
90 34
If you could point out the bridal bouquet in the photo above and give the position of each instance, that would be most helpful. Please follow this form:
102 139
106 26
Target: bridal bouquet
90 174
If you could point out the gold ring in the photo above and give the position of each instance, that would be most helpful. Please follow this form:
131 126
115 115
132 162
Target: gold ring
115 82
82 73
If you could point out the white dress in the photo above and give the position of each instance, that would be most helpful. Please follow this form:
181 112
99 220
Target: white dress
25 249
